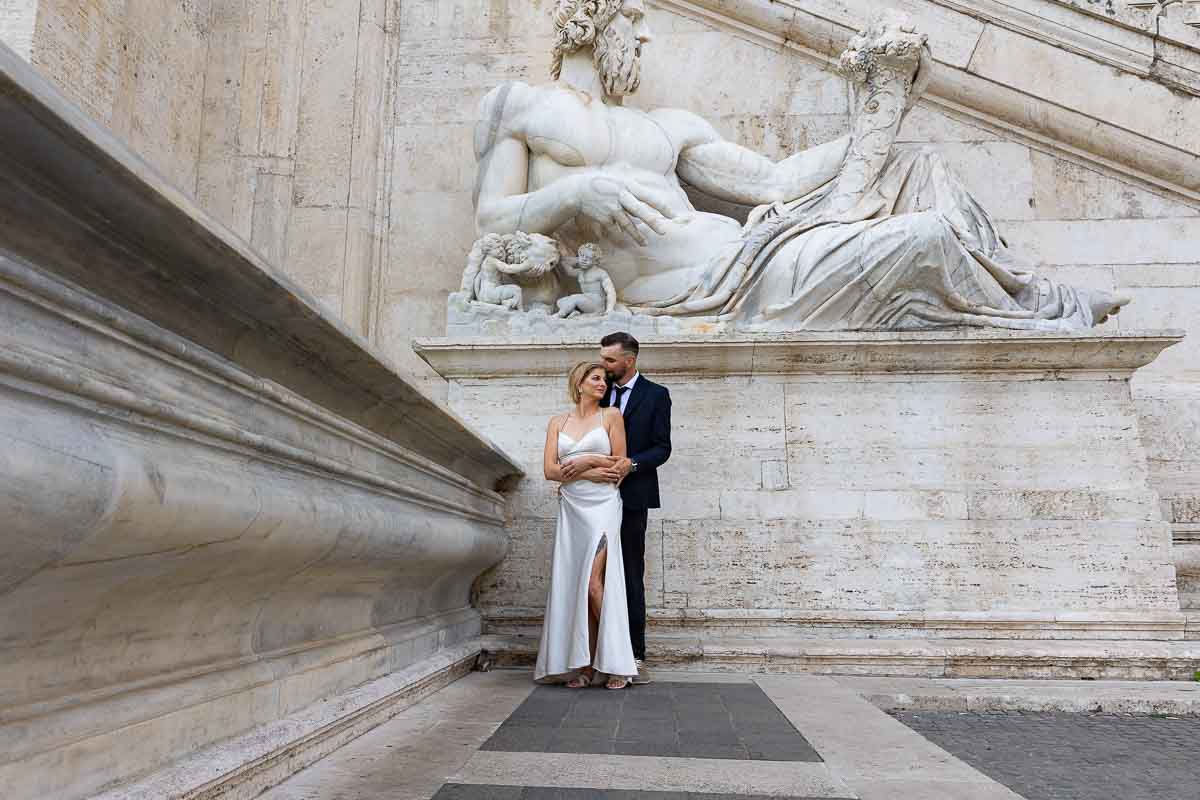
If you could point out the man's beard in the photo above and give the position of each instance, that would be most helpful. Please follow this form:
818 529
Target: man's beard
617 60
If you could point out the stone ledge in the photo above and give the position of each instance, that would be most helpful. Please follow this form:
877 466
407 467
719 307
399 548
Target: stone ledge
770 624
929 658
957 352
245 766
1172 698
79 205
32 730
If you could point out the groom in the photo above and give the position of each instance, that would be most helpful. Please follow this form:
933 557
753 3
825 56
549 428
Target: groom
646 407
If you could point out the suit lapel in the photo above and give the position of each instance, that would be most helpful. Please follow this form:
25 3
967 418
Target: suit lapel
636 395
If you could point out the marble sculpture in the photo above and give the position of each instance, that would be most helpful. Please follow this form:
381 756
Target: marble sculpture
853 234
597 294
528 261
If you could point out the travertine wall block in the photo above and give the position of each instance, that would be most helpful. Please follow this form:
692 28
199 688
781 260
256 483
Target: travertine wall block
846 486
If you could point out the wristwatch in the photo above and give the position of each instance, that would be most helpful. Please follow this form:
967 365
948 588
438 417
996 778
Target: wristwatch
633 466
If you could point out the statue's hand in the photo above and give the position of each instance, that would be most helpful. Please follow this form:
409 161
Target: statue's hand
890 46
531 269
900 52
615 202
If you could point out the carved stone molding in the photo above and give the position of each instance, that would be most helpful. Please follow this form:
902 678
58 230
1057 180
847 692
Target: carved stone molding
222 514
931 353
1047 113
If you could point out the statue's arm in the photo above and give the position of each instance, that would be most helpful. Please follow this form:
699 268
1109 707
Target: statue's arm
731 172
491 262
568 266
504 202
505 206
610 294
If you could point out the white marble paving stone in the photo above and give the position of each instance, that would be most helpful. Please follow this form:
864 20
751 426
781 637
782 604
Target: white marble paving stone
410 757
772 778
1174 698
877 756
868 754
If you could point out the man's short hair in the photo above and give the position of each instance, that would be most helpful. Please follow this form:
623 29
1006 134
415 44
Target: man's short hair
627 342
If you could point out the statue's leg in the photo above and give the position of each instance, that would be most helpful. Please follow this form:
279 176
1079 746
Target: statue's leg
566 306
922 180
589 304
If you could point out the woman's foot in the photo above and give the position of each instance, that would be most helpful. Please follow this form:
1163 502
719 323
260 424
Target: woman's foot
582 679
616 682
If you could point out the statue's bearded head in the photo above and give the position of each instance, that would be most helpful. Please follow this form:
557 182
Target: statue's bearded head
614 29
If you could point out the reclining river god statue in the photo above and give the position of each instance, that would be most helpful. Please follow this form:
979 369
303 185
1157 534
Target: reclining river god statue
851 235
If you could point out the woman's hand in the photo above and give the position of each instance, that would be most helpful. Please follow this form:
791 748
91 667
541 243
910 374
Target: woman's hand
576 467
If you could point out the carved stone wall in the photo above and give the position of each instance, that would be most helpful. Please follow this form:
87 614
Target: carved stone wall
937 503
339 143
269 113
1073 125
226 521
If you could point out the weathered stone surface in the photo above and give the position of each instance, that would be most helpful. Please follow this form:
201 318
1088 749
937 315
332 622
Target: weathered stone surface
956 485
17 21
221 506
441 57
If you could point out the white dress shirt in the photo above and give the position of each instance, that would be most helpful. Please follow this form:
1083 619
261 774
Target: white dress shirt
628 385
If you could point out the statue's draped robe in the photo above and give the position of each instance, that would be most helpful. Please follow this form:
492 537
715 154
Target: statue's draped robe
917 251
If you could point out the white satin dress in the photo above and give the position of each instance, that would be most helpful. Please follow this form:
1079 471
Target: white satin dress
588 513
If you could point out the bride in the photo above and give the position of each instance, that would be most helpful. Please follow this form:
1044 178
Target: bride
586 628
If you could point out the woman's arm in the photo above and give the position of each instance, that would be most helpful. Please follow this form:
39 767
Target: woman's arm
593 467
550 465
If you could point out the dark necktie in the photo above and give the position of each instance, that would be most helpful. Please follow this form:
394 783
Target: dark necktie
621 390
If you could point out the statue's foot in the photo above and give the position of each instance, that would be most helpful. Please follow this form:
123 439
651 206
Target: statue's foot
1105 305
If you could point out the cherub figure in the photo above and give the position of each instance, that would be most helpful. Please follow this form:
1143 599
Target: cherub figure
518 255
598 294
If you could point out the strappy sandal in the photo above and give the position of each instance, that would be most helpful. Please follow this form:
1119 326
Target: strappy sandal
582 680
616 682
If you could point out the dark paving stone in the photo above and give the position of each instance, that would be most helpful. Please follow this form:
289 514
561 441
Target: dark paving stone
1059 756
455 791
685 720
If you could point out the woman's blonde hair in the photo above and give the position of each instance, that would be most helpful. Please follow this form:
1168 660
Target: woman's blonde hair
577 376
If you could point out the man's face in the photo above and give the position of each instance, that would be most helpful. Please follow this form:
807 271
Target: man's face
618 49
617 363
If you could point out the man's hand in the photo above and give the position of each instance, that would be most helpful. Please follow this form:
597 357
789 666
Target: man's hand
623 467
602 475
615 202
576 468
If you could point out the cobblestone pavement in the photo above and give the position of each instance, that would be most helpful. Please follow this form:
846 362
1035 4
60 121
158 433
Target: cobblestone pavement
1058 756
688 720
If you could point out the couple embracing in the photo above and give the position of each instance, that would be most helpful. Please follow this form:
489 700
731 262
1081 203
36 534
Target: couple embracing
604 452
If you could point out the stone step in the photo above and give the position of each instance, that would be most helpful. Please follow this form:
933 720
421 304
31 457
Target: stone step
930 658
1192 631
1165 698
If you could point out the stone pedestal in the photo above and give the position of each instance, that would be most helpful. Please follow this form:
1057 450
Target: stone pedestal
958 502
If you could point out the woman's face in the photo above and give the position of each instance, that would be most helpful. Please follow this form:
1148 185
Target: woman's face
593 384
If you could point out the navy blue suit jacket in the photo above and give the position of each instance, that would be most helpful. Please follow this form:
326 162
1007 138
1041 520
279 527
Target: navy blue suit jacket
647 441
